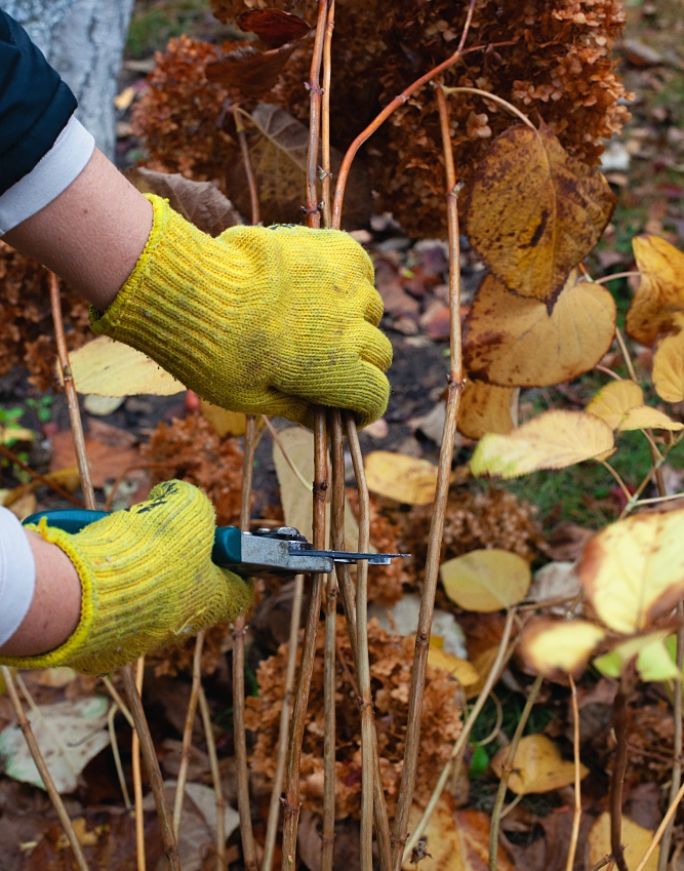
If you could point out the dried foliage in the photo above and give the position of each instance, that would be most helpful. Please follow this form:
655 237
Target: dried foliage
191 449
390 658
26 322
385 583
494 518
558 68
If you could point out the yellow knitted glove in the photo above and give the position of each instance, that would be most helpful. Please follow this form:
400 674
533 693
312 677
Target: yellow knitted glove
147 580
257 320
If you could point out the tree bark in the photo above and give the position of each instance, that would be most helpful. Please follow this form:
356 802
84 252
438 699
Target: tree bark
84 41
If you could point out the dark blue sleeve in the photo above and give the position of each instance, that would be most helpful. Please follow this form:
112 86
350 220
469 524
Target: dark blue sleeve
35 104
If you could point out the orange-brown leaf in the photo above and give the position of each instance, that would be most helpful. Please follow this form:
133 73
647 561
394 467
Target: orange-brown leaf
533 213
514 341
249 72
273 26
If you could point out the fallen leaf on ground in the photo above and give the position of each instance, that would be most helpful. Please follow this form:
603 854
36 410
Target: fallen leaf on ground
401 618
633 571
455 840
69 734
533 213
553 646
464 672
406 479
660 295
110 452
514 341
635 841
107 368
553 440
486 580
537 766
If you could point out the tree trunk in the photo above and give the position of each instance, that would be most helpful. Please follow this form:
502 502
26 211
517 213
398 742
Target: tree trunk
83 40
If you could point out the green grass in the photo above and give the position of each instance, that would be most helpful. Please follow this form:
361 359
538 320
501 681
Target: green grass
156 21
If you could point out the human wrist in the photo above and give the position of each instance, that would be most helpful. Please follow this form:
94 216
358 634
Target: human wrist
55 608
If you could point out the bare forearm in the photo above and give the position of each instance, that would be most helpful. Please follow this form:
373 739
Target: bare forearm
92 234
56 605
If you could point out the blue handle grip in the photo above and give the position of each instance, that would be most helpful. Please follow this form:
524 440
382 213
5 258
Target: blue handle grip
227 550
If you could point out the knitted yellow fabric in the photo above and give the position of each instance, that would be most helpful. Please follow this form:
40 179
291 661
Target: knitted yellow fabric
147 580
257 320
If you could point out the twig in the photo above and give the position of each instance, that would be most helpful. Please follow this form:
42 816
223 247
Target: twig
606 278
119 702
617 478
325 116
37 478
677 740
284 727
292 785
137 779
507 770
455 382
493 97
625 354
216 780
618 776
577 815
320 483
71 395
187 731
247 163
43 770
363 662
113 710
238 659
153 770
391 107
667 819
279 444
503 654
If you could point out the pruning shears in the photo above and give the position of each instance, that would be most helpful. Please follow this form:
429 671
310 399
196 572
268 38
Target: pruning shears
283 549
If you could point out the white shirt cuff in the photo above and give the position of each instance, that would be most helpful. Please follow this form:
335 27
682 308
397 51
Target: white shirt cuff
17 574
53 173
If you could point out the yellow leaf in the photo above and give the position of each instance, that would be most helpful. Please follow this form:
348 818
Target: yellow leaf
653 661
464 672
225 422
108 368
398 476
533 213
486 408
514 341
552 646
537 766
482 663
633 571
486 580
613 401
553 440
456 840
10 434
635 841
660 295
645 417
668 366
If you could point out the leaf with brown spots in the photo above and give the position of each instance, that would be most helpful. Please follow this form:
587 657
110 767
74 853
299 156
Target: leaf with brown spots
486 408
533 213
633 571
660 295
513 341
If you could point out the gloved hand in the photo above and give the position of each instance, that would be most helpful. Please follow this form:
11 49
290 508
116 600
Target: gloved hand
147 580
257 320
